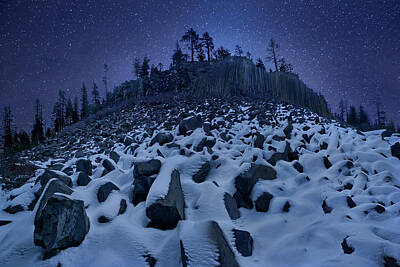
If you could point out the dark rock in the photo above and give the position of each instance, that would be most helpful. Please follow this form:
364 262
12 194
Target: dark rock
122 207
326 208
4 222
189 124
226 255
108 166
395 149
287 155
48 174
105 190
115 156
323 146
298 167
68 171
84 165
306 128
207 127
141 189
327 163
184 257
150 260
380 209
103 219
63 223
162 138
83 179
387 133
231 207
79 154
243 242
243 201
350 202
14 209
246 180
259 141
349 164
165 213
205 142
146 168
390 262
262 202
128 141
348 186
202 173
286 207
346 248
288 130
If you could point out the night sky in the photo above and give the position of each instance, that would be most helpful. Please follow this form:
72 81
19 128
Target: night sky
343 49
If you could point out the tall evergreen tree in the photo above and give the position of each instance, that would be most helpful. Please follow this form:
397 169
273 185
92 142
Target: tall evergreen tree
144 70
260 64
352 118
200 53
75 114
7 129
84 102
177 58
69 113
95 94
192 39
37 130
105 78
380 114
208 43
221 53
284 66
342 109
136 68
238 50
272 53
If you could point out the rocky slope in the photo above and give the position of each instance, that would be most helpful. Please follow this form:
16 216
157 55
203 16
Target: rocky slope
207 183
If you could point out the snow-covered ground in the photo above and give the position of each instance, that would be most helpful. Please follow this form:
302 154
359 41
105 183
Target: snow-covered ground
343 210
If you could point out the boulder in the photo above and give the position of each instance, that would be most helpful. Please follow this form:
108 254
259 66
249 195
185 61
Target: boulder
105 190
103 219
114 156
205 142
298 167
189 124
262 202
327 163
243 242
243 201
231 207
84 165
48 174
165 213
395 149
246 180
259 141
62 223
122 207
4 222
146 168
226 256
14 209
108 166
141 189
83 179
162 138
202 173
288 130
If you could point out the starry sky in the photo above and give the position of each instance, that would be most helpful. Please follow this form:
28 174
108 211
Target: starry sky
343 49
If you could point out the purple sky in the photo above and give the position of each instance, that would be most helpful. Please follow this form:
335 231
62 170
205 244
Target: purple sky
343 49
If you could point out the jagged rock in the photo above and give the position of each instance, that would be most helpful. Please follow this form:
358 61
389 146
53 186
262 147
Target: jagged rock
246 180
346 248
146 168
84 165
390 262
326 208
63 223
288 130
298 167
105 190
202 173
184 257
68 171
286 207
327 163
226 256
4 222
287 155
162 138
48 174
114 156
108 166
122 207
231 207
141 189
350 202
14 209
205 142
259 141
103 219
150 260
83 179
165 213
379 209
189 124
243 242
395 149
243 201
128 141
323 146
262 202
79 154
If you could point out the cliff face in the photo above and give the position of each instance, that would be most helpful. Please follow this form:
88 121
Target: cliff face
240 76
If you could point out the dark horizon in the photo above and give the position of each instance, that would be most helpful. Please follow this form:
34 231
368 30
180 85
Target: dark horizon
343 50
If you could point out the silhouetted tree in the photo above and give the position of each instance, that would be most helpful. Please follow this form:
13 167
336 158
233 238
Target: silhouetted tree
95 94
222 53
75 114
105 78
352 117
69 113
208 43
7 129
136 68
192 39
49 133
272 53
285 67
21 141
380 114
144 70
177 57
342 109
84 102
200 53
238 50
260 64
37 130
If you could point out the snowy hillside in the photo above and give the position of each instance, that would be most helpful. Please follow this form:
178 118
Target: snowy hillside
215 183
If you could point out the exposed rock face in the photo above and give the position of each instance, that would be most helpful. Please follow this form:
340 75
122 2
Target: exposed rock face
141 189
146 168
105 190
395 149
63 223
231 207
202 173
108 166
84 165
243 242
246 180
259 141
115 156
226 255
48 174
262 202
165 213
162 138
189 124
14 209
83 179
205 142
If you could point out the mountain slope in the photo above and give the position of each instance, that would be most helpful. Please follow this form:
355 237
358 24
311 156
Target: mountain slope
202 183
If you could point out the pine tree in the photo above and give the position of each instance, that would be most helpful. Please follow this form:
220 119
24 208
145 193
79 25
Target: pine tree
75 114
260 64
200 53
285 67
95 94
37 130
238 50
221 53
380 114
84 102
105 78
136 68
177 58
144 70
342 109
208 43
69 113
192 39
272 55
7 129
352 118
